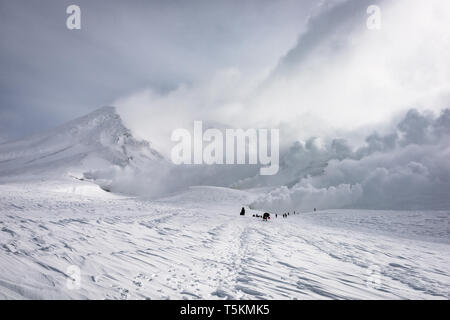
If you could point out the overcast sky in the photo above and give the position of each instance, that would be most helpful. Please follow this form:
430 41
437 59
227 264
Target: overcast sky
311 68
50 74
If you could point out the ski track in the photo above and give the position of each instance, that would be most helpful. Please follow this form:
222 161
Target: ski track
182 248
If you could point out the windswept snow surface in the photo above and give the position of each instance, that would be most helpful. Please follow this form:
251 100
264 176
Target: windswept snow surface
194 245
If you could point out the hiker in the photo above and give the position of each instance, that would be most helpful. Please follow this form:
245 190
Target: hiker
242 211
314 209
276 215
266 216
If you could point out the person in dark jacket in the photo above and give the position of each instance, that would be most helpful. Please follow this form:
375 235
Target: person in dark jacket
242 211
266 216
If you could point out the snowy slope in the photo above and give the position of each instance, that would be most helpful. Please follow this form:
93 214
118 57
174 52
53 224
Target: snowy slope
195 245
95 141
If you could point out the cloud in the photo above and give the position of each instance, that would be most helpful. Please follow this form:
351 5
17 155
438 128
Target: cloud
158 179
217 102
400 171
347 76
338 76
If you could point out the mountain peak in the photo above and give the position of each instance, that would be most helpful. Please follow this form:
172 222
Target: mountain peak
91 142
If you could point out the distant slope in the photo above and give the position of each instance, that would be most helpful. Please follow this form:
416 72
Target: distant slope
92 142
213 196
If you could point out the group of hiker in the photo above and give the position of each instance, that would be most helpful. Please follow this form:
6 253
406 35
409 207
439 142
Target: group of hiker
285 215
266 215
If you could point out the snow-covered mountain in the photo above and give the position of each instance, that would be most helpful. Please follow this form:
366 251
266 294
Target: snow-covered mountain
96 141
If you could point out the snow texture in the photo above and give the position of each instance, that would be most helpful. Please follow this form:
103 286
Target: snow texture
195 245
